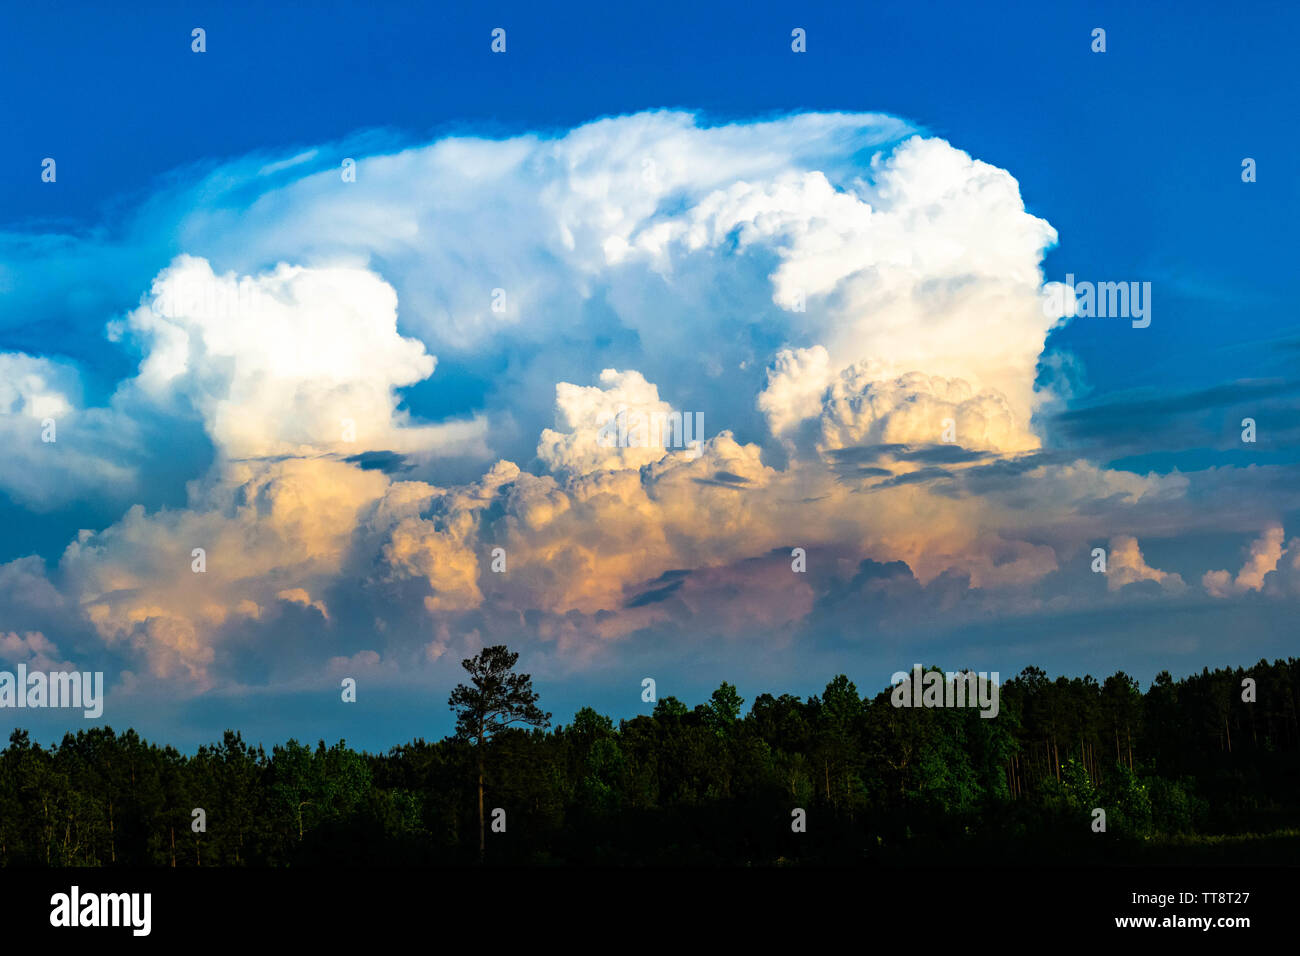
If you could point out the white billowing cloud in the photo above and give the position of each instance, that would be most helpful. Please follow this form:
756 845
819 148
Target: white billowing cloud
931 265
620 424
292 362
796 383
53 450
862 409
1265 553
1126 565
454 219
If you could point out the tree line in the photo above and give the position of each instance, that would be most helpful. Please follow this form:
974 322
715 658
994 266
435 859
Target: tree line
1211 754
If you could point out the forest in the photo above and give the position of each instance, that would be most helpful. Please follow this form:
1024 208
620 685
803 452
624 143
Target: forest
1191 770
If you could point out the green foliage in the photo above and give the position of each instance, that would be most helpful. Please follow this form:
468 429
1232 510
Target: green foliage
724 708
706 785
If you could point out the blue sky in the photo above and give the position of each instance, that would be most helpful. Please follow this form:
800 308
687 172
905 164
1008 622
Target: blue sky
1133 157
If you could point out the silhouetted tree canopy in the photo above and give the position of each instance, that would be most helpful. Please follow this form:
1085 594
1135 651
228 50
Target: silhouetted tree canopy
1187 767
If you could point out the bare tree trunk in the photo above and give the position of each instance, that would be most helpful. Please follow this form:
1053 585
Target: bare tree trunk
482 843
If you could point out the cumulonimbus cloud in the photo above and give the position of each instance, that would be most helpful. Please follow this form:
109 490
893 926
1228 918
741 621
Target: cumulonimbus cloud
855 312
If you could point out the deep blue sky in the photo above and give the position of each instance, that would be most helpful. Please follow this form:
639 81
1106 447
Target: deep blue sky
1133 155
